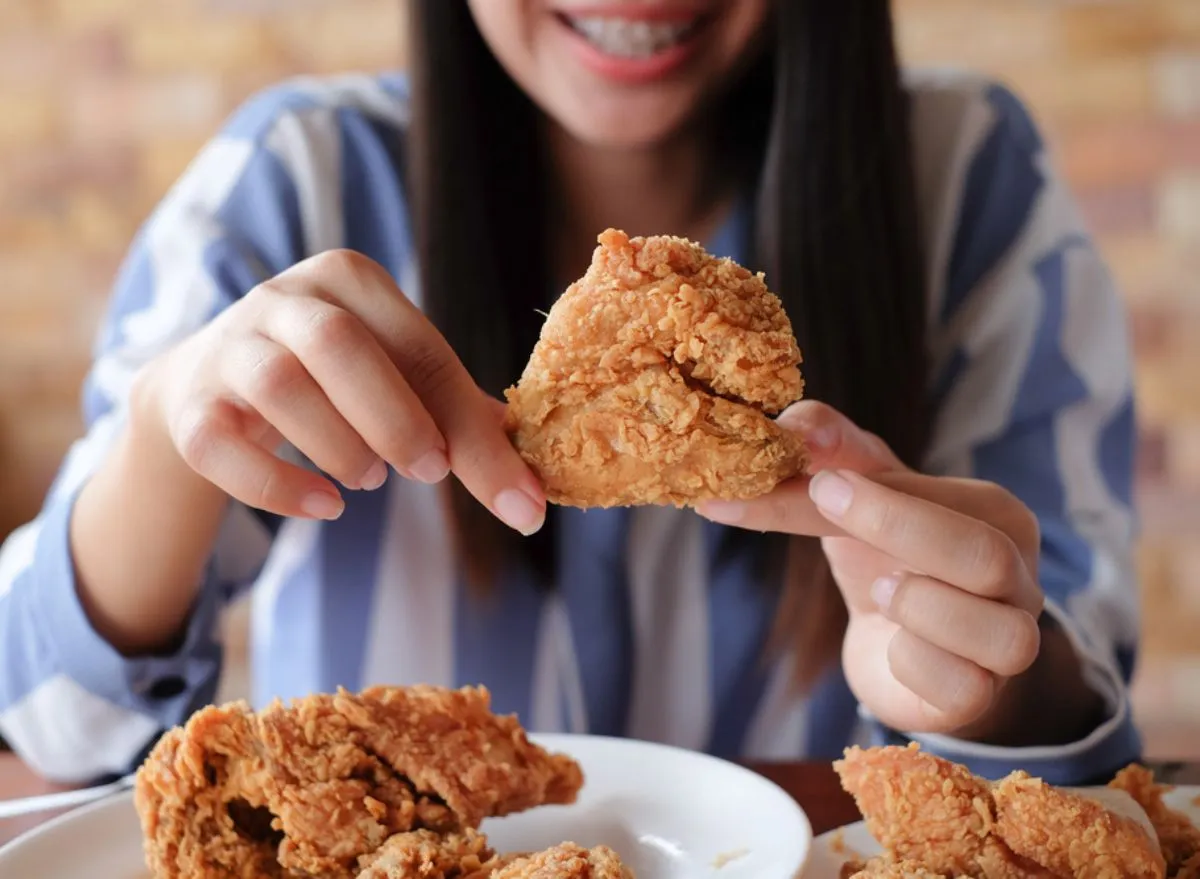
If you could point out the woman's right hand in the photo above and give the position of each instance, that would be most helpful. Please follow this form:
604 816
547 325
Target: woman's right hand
332 357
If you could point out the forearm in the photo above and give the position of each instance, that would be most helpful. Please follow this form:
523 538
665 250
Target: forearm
141 533
1049 704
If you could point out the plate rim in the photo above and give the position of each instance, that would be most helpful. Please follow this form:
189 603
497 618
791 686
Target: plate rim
67 817
554 741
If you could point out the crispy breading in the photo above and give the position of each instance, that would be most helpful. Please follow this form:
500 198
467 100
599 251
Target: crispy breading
1177 836
935 814
1072 835
308 788
567 861
654 379
424 854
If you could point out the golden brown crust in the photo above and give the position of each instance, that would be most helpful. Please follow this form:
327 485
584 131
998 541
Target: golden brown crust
930 813
926 810
885 868
1071 835
1177 836
567 861
654 379
310 787
423 854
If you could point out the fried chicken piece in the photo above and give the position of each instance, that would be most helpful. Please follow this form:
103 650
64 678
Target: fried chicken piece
307 789
654 379
926 810
423 854
937 814
1071 835
885 868
567 861
1190 869
1178 838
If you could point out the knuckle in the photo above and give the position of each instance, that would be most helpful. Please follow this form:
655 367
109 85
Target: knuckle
351 275
262 292
1015 518
969 691
345 264
332 330
429 369
273 376
1019 644
265 491
197 433
1026 530
882 517
994 556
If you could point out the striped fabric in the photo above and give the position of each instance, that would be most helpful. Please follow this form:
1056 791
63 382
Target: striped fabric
651 633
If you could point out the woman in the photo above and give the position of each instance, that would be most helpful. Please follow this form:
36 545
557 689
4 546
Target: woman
359 287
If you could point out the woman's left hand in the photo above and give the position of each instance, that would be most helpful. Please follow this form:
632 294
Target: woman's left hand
938 574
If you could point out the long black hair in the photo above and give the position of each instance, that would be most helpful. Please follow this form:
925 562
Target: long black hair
825 115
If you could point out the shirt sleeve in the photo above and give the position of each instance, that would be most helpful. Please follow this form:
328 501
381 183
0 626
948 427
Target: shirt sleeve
70 705
1034 392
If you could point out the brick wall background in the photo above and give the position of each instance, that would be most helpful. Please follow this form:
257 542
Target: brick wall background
103 102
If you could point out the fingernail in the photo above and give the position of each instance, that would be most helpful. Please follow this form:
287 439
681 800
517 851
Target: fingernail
883 589
374 477
831 492
727 512
320 505
519 511
431 467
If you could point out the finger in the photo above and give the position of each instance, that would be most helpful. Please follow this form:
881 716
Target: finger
787 509
362 384
480 452
209 441
956 690
498 408
834 441
975 498
275 384
928 538
997 637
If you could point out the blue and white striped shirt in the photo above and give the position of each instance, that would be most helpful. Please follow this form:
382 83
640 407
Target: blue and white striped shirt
650 633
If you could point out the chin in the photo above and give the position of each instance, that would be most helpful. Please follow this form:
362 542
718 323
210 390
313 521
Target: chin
624 125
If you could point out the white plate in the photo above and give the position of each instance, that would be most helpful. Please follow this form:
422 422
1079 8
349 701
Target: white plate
833 849
670 813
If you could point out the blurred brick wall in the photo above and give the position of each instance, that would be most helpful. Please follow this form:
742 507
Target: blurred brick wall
102 103
1116 85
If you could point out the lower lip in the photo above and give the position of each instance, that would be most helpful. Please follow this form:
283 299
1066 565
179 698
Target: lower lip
631 71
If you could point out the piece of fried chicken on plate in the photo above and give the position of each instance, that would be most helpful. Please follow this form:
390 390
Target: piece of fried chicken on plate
308 788
928 811
1178 837
655 379
1070 834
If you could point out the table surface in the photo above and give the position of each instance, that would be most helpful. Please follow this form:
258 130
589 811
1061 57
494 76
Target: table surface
813 785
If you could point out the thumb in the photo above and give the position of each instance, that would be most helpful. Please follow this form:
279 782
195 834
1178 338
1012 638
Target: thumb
835 442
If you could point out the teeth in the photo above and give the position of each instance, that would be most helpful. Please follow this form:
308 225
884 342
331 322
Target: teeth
630 39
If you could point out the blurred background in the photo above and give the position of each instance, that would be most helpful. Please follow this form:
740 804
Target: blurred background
103 103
